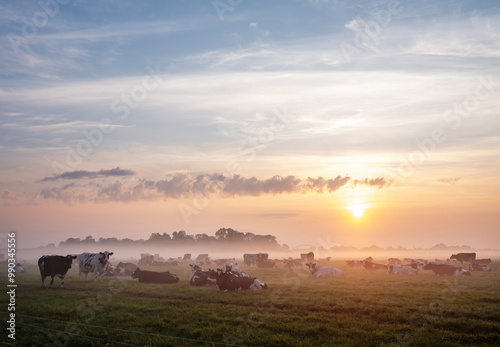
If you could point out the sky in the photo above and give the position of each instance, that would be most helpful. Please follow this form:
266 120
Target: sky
322 122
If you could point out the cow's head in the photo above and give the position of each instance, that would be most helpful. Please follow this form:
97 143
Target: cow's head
136 273
104 257
69 259
312 267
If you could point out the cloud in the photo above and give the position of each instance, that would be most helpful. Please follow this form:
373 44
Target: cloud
81 174
184 185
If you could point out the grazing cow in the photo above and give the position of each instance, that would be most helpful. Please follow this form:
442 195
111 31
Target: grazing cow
441 269
54 265
256 258
93 262
324 271
127 269
401 269
461 257
354 263
477 267
229 281
154 277
199 277
394 261
372 266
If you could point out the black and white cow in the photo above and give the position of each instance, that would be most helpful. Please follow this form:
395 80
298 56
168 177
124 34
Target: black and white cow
401 269
93 262
199 277
461 257
324 271
154 277
54 265
229 281
19 268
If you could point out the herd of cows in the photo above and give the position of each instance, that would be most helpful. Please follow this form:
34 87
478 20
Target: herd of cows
229 277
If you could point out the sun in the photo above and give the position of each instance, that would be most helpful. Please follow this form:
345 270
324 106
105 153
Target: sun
357 210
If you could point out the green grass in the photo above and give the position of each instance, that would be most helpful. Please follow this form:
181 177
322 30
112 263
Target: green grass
364 308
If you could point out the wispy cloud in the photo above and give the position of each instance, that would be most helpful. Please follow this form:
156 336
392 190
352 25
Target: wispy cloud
79 174
184 185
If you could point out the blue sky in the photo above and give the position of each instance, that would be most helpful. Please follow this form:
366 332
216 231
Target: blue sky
169 88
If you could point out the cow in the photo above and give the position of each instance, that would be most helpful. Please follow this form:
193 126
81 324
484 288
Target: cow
461 257
372 266
441 269
201 257
291 263
324 271
154 277
255 258
112 270
483 261
354 263
394 261
93 262
477 267
309 257
230 281
127 269
54 265
401 269
146 259
199 277
19 268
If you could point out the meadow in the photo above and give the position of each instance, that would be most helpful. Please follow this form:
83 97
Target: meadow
363 308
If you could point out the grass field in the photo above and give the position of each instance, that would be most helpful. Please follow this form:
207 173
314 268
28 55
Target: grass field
364 308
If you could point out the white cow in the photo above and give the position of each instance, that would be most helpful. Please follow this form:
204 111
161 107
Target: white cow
402 269
93 262
323 271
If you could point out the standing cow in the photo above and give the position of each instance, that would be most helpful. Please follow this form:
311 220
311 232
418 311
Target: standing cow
254 258
461 257
93 262
54 265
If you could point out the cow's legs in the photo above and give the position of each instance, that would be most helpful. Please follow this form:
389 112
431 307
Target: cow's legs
43 281
62 281
51 281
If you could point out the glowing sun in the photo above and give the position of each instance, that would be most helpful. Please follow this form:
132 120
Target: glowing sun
357 210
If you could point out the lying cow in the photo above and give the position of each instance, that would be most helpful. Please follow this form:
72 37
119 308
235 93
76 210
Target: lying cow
154 277
93 262
394 261
199 277
401 269
19 268
54 265
324 271
354 263
443 269
230 281
128 268
477 267
372 266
